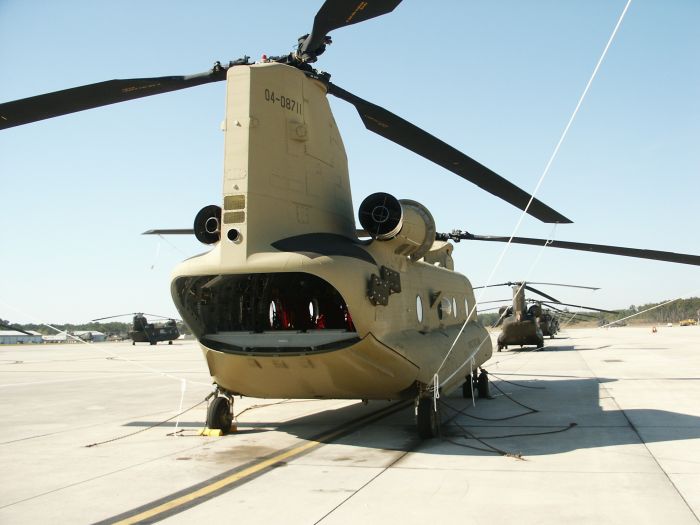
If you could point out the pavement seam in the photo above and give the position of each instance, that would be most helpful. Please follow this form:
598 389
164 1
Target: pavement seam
370 481
641 439
201 492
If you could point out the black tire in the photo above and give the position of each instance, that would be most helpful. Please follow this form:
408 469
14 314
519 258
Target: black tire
170 342
219 415
427 419
133 343
469 388
153 343
483 385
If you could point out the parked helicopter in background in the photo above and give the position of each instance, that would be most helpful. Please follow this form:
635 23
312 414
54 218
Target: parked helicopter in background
549 323
523 325
551 315
143 331
290 302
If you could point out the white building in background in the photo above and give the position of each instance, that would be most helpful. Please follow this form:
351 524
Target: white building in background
90 335
13 337
61 337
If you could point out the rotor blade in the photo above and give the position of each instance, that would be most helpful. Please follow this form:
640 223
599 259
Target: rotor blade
132 313
494 285
579 306
581 314
112 316
402 132
497 301
3 325
91 96
535 290
568 285
529 282
552 307
585 316
340 13
181 231
156 315
656 255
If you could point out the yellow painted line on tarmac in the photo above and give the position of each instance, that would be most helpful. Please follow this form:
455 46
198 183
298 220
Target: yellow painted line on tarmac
254 469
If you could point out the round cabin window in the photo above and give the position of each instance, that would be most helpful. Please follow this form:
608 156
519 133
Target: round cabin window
419 309
454 307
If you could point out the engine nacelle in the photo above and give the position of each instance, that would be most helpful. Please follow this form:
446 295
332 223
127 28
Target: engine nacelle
406 224
207 224
535 310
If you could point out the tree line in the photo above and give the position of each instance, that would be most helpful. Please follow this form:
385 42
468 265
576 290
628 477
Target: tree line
673 312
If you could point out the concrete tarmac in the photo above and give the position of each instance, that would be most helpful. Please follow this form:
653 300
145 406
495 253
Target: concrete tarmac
602 426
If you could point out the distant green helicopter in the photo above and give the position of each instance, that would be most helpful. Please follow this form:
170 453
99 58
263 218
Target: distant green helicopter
144 332
523 325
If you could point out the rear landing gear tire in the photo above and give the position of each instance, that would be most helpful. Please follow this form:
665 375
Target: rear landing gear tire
483 385
219 416
469 388
427 418
170 342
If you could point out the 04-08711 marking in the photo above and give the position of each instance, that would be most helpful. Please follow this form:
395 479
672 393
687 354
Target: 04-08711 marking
285 102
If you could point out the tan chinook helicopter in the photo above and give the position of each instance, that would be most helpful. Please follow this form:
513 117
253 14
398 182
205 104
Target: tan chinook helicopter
290 302
523 325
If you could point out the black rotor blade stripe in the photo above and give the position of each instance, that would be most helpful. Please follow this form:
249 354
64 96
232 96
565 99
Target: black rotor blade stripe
16 329
340 13
581 314
402 132
579 306
76 99
554 308
535 290
656 255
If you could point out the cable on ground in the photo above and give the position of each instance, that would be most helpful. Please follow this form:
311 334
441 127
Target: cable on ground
149 427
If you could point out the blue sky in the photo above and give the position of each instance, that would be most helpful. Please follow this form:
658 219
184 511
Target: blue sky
496 79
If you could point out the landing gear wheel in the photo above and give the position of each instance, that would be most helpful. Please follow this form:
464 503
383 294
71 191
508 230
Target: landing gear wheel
500 347
469 388
170 342
483 385
133 343
153 343
427 418
540 343
219 416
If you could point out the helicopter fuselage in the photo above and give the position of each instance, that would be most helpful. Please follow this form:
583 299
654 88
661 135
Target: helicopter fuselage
521 326
290 302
